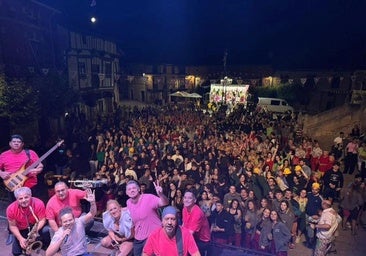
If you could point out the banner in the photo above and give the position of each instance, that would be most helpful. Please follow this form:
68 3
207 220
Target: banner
303 81
330 78
316 79
232 94
291 81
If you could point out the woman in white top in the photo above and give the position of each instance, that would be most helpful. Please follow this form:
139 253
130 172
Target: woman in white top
118 222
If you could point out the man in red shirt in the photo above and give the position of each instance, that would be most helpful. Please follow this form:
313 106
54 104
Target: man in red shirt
196 222
170 239
15 159
64 197
22 215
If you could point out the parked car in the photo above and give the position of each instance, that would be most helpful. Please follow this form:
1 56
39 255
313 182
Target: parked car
274 105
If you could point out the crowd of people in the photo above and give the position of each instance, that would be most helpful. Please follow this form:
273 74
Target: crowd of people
251 180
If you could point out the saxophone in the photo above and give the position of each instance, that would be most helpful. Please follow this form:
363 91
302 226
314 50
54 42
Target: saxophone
32 244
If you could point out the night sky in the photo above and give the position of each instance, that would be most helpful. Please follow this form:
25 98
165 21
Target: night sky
282 33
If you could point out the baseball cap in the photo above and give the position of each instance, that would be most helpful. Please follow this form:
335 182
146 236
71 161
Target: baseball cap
169 210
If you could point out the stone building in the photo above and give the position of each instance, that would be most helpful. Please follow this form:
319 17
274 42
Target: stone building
93 71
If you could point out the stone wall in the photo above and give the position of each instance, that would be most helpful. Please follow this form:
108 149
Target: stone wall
326 126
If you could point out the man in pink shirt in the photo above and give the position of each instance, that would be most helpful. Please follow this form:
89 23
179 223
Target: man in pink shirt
196 222
64 197
16 158
143 210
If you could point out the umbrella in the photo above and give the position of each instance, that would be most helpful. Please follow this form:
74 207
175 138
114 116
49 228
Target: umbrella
195 95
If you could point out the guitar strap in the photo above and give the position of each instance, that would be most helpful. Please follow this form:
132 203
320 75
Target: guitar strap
179 241
28 155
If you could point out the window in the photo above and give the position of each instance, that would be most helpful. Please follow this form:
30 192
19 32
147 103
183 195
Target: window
95 77
82 70
275 102
83 38
108 69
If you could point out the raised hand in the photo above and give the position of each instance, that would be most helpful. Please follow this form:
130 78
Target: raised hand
90 195
158 188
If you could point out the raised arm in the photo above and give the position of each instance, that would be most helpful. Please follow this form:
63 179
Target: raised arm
90 197
159 191
57 242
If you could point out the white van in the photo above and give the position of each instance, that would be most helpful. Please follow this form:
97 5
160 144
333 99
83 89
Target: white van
274 105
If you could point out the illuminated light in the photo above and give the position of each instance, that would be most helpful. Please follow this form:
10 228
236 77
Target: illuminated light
93 19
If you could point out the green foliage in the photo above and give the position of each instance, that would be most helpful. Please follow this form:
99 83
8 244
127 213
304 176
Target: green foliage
267 92
26 100
54 94
293 93
18 102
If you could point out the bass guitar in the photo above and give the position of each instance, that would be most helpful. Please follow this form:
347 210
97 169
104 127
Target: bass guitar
18 178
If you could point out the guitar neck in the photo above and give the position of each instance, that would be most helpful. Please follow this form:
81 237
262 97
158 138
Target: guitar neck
43 157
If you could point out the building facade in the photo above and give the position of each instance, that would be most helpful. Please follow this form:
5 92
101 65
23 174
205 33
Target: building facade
94 71
31 40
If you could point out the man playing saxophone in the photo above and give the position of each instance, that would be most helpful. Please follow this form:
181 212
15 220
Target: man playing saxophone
22 215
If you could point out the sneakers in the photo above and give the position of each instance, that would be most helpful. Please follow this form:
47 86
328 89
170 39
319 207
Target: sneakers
10 239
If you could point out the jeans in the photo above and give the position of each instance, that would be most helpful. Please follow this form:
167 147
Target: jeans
138 246
44 237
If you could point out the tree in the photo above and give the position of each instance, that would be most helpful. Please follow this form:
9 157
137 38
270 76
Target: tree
55 98
54 94
18 102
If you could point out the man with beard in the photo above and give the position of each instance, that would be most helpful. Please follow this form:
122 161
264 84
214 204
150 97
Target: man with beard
170 239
